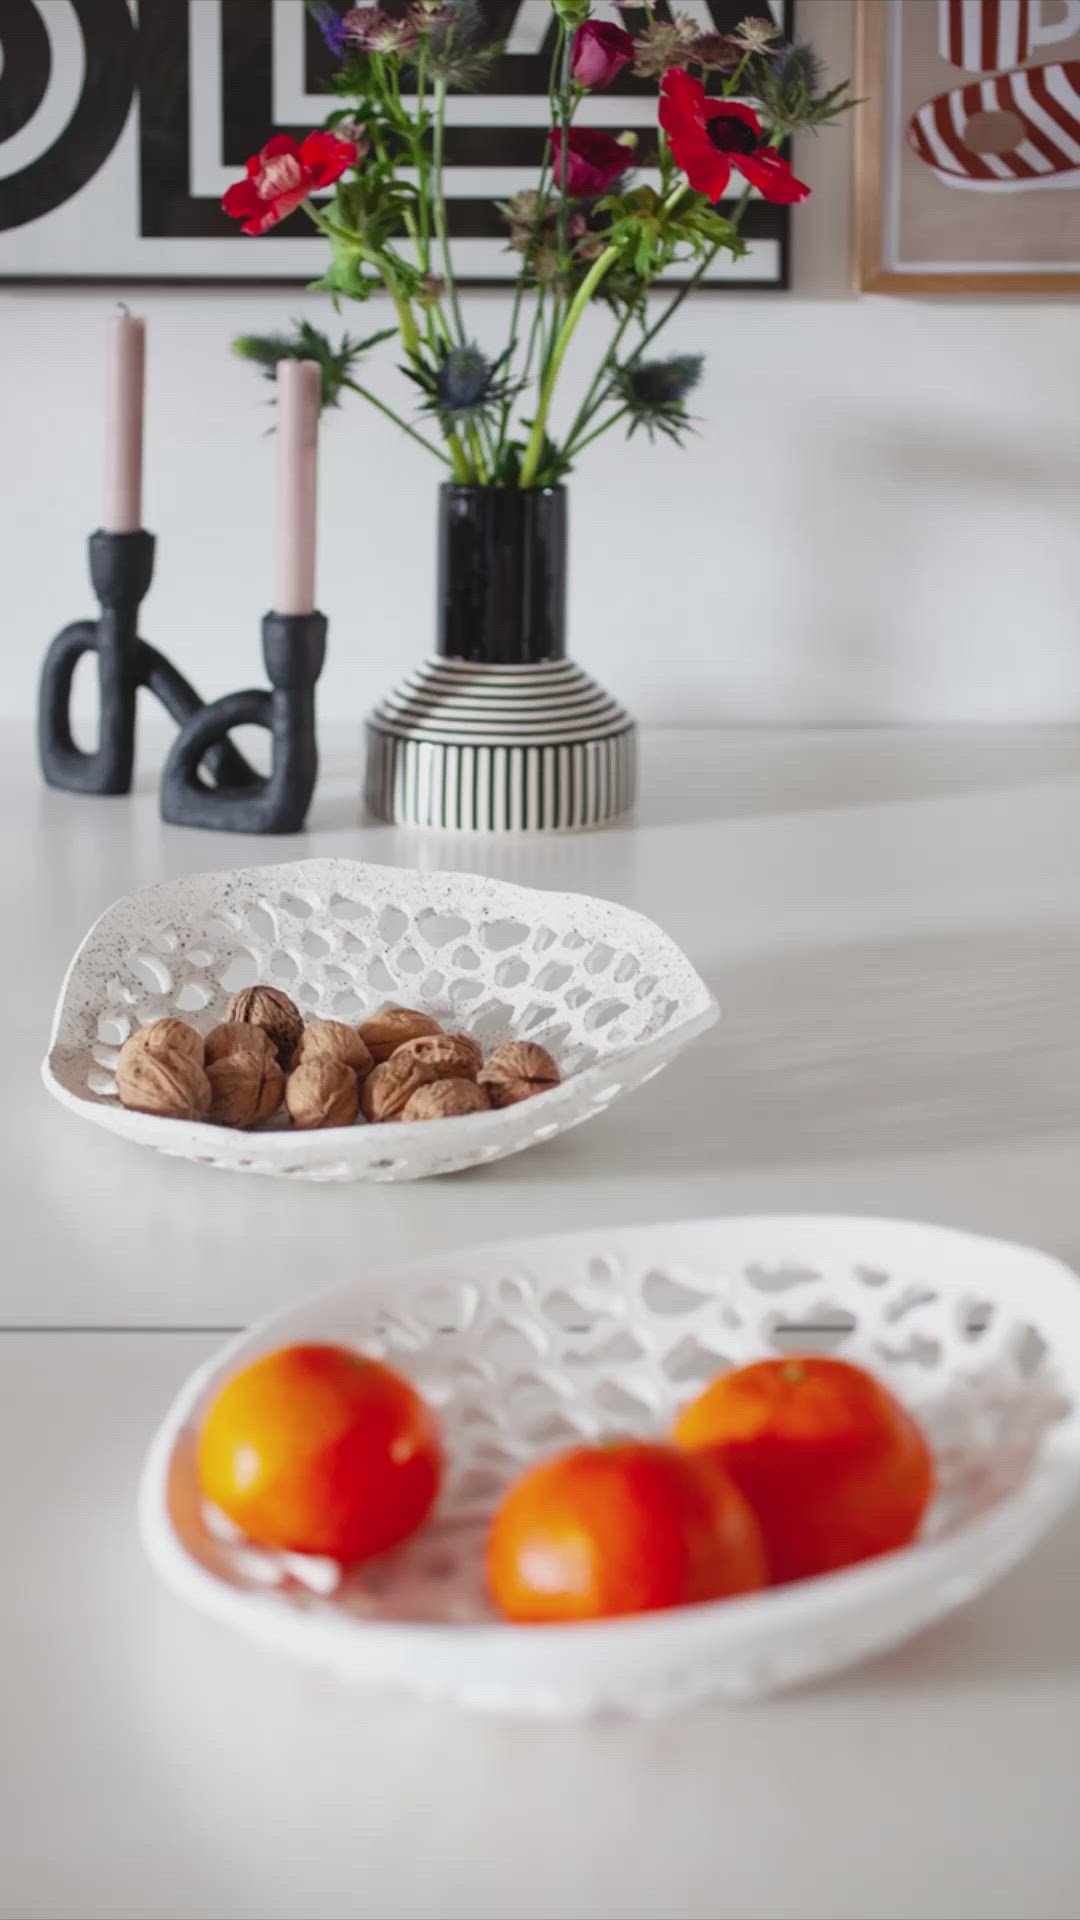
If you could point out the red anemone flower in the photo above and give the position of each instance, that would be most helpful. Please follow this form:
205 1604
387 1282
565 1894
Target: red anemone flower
710 137
283 175
595 162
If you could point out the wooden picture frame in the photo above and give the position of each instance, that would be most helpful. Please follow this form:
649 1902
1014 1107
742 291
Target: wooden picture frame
879 160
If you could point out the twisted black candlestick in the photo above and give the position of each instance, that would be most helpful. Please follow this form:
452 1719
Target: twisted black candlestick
294 648
121 567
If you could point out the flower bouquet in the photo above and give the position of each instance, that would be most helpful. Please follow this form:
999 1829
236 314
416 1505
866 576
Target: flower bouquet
592 230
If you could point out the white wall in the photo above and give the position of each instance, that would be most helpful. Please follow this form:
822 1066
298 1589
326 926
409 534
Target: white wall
878 521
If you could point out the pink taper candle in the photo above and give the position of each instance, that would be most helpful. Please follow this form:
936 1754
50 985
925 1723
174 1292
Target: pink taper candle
124 424
298 391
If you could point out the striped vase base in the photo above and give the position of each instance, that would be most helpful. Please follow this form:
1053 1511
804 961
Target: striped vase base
466 748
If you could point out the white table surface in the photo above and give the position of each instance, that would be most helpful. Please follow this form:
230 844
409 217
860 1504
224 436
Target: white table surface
890 922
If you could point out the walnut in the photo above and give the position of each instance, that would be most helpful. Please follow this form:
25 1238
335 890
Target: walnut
333 1040
385 1032
234 1035
169 1036
451 1056
322 1093
387 1091
517 1071
444 1099
245 1086
168 1083
269 1008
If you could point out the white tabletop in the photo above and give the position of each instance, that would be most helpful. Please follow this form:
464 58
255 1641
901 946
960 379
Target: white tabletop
890 922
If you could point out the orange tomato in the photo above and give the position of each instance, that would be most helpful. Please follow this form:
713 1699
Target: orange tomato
315 1449
834 1467
626 1528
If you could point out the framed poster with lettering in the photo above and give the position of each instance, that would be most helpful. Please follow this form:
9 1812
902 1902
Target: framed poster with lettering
123 121
968 145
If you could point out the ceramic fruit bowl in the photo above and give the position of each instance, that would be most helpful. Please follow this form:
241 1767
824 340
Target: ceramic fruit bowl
528 1347
608 993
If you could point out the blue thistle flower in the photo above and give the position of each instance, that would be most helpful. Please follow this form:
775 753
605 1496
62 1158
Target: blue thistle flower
655 392
330 24
462 385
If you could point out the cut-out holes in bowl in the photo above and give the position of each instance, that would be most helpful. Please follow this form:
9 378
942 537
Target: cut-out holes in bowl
349 910
193 997
662 1294
446 1309
552 976
151 973
974 1318
690 1363
780 1279
260 923
380 978
571 1314
499 935
439 929
822 1329
636 1408
242 971
391 925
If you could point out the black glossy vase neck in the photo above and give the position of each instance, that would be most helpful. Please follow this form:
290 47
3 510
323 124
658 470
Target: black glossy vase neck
502 575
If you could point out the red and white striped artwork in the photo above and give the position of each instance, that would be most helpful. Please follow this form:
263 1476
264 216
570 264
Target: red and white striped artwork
985 35
1017 128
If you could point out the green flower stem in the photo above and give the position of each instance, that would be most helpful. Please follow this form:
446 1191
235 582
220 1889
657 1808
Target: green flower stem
410 338
581 300
688 285
439 209
565 115
477 451
515 315
381 407
593 400
574 447
535 334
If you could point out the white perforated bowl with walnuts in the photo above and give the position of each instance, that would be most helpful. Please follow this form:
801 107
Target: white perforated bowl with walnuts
607 992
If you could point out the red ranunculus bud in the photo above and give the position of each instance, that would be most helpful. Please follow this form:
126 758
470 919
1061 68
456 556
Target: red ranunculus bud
600 54
595 163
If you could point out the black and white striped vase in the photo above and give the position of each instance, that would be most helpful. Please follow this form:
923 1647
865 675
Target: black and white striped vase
498 732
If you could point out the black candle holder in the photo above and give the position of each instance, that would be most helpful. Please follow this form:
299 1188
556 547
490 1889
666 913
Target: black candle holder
294 648
121 568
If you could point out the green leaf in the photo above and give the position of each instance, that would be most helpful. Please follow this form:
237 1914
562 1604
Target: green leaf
307 343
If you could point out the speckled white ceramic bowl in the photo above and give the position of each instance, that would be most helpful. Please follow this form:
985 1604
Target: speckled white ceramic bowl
604 989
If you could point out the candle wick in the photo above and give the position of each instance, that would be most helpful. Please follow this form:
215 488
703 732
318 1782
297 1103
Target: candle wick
122 307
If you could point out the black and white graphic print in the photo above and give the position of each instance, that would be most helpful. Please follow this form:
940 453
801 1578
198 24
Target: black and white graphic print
123 121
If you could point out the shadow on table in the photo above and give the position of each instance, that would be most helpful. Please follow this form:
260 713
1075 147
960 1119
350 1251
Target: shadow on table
946 1042
743 774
